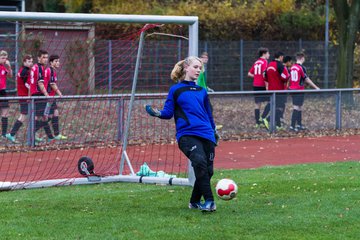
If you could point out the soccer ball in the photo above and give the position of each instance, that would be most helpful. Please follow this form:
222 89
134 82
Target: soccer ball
226 189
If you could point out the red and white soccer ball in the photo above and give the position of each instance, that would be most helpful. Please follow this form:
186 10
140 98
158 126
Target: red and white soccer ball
226 189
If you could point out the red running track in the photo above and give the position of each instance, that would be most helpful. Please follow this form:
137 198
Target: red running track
229 155
258 153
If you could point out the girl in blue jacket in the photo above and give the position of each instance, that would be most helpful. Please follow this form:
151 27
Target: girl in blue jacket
195 128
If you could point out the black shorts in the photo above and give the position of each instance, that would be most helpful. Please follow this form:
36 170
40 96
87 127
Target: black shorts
261 98
200 151
281 100
24 107
53 108
3 103
298 99
40 105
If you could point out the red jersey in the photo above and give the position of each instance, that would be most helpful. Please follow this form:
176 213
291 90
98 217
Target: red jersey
22 79
298 76
277 75
36 76
258 69
50 78
3 76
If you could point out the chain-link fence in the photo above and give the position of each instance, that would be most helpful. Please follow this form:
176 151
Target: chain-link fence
229 63
101 118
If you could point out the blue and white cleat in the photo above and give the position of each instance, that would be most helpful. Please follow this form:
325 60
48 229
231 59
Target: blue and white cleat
208 206
194 205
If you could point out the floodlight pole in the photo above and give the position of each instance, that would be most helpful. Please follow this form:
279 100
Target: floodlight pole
326 47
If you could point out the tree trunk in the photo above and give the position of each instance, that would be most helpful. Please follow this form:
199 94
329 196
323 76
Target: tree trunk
347 18
345 66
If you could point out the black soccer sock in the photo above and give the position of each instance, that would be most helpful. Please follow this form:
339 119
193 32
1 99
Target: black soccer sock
299 120
266 111
257 115
294 117
38 125
4 125
16 127
55 125
47 129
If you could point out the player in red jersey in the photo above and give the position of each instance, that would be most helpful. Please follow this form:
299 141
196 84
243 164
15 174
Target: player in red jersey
298 80
52 89
22 85
37 88
287 63
277 75
5 72
257 72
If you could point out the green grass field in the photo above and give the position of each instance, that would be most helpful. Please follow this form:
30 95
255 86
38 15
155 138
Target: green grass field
312 201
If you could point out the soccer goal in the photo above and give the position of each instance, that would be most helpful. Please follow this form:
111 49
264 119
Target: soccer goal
110 66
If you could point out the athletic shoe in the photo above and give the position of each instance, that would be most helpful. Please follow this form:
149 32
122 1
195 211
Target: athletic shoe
194 205
301 127
208 206
266 123
10 138
60 137
50 140
293 129
279 128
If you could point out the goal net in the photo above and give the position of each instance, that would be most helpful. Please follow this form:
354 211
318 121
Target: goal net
110 66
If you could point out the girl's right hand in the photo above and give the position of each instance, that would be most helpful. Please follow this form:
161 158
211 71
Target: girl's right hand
152 111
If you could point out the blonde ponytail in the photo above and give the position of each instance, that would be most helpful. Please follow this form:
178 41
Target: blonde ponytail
178 72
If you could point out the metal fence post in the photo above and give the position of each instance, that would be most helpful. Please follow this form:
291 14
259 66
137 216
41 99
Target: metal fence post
110 65
179 50
272 112
326 67
241 65
120 118
300 45
338 111
206 67
31 128
157 77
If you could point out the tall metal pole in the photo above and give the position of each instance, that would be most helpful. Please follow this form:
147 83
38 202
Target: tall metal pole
110 67
16 46
241 65
124 155
326 46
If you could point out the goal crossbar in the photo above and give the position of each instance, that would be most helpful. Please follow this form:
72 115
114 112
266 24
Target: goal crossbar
192 21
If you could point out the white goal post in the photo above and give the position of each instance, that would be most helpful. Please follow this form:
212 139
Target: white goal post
191 21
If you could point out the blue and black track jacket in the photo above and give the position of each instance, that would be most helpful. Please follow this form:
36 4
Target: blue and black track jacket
190 106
